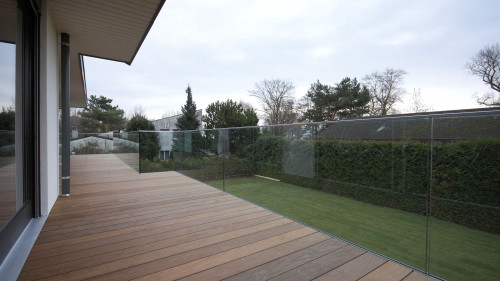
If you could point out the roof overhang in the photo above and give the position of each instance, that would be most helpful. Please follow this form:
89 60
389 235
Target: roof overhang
112 29
8 21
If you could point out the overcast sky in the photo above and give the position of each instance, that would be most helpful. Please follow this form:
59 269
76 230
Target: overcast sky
223 47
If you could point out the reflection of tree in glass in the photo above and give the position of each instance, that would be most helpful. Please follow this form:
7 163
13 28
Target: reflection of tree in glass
7 136
7 119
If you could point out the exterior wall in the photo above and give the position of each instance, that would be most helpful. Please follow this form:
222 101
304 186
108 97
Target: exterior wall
166 141
49 111
168 124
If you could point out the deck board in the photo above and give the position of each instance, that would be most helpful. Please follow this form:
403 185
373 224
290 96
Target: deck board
121 225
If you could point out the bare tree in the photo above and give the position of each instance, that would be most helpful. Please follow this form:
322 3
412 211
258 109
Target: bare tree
417 102
488 99
385 90
288 114
486 65
304 104
276 99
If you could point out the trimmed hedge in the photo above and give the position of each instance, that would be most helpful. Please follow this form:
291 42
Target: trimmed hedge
465 174
202 168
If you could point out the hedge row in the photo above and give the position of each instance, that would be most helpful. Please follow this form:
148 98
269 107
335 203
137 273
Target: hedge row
464 180
203 169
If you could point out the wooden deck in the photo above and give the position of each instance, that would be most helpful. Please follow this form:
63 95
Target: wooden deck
120 225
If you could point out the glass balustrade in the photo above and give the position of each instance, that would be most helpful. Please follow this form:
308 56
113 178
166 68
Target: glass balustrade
423 190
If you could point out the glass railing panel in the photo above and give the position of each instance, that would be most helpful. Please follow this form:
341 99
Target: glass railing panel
379 166
465 225
267 151
193 153
204 157
126 147
363 181
212 158
239 155
155 151
91 143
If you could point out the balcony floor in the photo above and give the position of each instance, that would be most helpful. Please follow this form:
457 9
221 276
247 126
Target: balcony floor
121 225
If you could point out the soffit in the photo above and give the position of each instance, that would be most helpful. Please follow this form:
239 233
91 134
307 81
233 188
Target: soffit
8 21
112 29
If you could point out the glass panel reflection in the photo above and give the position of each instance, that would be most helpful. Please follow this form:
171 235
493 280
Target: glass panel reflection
7 133
465 198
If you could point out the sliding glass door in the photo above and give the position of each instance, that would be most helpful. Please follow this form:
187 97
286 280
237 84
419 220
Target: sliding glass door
19 124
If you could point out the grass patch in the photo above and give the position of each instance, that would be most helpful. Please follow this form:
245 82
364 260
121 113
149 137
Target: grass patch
457 252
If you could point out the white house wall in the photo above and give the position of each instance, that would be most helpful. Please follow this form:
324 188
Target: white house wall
49 111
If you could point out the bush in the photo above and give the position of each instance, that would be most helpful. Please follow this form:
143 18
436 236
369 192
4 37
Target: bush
89 148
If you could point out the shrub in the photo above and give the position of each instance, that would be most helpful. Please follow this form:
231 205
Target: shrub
90 147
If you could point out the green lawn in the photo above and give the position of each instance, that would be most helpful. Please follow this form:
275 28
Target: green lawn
457 252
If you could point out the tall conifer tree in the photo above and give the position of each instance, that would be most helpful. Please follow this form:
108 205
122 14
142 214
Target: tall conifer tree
188 120
187 144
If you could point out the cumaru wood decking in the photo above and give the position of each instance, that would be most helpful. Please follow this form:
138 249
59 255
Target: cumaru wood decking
121 225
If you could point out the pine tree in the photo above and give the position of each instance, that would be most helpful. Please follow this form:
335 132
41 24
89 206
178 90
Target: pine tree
326 103
100 116
188 120
187 144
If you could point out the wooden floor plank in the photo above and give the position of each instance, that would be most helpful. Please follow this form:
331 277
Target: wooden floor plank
354 269
132 233
416 276
121 225
166 238
389 271
121 259
120 231
289 262
145 218
208 262
321 265
134 211
186 257
246 263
